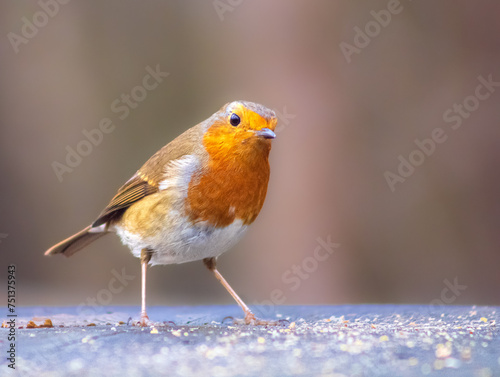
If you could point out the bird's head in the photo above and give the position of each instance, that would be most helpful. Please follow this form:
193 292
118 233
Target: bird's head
240 129
233 183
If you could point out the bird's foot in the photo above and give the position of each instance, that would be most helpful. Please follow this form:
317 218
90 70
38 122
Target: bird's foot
250 319
144 321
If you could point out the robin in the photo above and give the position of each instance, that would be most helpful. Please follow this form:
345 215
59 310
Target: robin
194 198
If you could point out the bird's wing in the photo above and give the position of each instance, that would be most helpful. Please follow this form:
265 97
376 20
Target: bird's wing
133 190
147 179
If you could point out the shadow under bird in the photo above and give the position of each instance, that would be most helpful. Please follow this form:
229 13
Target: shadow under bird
194 198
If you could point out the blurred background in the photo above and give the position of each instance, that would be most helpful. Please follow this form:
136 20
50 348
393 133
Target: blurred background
354 84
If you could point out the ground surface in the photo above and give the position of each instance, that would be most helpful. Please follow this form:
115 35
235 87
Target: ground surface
366 340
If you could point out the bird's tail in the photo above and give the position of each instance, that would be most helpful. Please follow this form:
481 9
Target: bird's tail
76 242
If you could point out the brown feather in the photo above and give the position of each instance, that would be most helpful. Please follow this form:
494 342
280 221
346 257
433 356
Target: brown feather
74 243
135 189
147 179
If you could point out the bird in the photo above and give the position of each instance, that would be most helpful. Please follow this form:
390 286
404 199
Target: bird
193 199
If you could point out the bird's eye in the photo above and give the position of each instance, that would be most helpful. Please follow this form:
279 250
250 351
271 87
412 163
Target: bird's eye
234 120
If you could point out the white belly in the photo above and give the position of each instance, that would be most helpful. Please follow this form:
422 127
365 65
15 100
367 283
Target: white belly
186 243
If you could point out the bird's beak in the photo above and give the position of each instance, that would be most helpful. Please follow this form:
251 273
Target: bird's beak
266 133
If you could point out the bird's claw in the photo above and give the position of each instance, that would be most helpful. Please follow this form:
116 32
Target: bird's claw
144 321
250 319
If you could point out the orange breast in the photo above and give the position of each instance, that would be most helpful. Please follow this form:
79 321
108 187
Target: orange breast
233 185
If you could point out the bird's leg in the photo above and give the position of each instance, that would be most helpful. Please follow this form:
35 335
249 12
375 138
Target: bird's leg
145 258
249 316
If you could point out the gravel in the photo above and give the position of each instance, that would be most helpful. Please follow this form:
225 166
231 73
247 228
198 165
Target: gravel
336 341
